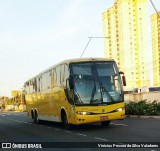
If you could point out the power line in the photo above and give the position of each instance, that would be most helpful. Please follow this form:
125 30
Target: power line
85 47
88 44
155 8
98 37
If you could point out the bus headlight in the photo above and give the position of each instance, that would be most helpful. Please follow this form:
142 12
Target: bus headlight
83 113
119 109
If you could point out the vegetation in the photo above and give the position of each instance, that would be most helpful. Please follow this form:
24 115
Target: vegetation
9 101
13 101
143 108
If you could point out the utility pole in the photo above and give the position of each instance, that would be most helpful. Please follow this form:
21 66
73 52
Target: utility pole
88 44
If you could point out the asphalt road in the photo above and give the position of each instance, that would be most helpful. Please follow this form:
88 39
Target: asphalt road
16 127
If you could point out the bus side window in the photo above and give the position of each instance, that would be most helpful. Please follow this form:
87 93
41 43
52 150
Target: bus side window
66 74
27 87
46 80
42 84
52 78
55 77
58 70
62 74
35 85
38 84
30 86
49 79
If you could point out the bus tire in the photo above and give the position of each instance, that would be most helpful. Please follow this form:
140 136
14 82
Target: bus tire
105 123
65 121
36 120
32 115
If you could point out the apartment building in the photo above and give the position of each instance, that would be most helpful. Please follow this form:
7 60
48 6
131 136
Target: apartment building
155 27
126 26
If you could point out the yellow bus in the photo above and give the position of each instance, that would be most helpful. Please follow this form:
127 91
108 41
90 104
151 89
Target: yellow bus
77 91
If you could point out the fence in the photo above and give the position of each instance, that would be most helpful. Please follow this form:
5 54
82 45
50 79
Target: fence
148 96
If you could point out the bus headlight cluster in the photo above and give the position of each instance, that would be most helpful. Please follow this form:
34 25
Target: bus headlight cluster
83 113
119 109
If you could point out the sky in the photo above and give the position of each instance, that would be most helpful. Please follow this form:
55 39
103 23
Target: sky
36 34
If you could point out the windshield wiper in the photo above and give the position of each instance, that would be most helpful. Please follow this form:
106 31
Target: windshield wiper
104 89
78 97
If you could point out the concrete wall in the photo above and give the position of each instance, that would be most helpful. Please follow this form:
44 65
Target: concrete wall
149 96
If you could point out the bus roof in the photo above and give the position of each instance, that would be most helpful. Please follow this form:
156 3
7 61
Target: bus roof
77 60
85 60
73 61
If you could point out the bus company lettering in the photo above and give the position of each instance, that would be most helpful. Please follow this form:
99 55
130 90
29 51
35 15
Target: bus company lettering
34 146
15 145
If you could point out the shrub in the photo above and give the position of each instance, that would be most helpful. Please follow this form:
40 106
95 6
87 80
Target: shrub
143 108
9 101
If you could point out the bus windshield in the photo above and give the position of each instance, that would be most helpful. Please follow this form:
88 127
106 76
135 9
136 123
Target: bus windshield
96 83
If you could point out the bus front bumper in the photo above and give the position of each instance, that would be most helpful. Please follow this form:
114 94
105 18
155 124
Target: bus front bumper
84 119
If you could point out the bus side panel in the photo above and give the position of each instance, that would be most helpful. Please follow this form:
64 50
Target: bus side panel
60 102
29 104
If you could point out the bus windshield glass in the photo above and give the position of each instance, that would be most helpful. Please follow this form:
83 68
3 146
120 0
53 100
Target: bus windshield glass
96 83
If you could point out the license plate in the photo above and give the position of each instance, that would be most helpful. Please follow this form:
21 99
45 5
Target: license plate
104 118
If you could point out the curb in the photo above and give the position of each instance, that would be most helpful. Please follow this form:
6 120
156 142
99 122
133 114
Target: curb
14 111
20 111
143 117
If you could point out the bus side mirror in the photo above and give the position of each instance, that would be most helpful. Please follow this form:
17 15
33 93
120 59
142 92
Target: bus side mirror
123 78
71 82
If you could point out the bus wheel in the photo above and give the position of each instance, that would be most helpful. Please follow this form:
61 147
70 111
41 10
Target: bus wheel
36 120
32 114
105 123
65 121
